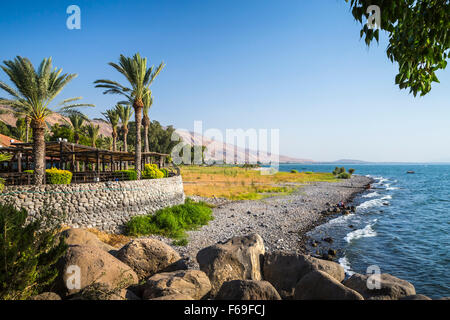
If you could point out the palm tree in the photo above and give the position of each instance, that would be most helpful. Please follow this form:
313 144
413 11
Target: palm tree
35 90
125 113
148 101
76 120
140 78
93 131
112 116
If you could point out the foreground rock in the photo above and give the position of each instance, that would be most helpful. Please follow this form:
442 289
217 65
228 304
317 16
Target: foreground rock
247 290
82 237
101 291
46 296
147 256
176 296
416 297
192 283
391 287
285 270
95 266
318 285
236 259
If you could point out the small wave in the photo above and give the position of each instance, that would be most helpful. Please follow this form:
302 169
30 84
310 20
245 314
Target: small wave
346 265
388 197
392 188
371 195
371 203
366 232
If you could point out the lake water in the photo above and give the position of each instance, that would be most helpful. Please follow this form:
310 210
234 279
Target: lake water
401 225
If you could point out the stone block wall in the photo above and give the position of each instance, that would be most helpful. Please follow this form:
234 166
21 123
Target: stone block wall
103 205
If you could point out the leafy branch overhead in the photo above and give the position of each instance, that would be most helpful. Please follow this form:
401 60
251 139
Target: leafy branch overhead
419 38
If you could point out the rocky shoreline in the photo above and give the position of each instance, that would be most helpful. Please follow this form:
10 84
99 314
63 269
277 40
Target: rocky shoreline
282 221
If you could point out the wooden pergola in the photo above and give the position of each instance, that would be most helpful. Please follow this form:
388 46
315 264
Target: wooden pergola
70 156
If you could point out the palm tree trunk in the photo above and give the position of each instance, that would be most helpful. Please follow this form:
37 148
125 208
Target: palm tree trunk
146 145
27 130
38 153
138 152
125 144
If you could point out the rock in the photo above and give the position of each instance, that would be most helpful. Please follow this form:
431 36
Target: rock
175 296
247 290
415 297
96 266
192 283
82 237
284 270
391 287
236 259
346 212
147 256
444 298
102 291
318 285
328 239
332 252
46 296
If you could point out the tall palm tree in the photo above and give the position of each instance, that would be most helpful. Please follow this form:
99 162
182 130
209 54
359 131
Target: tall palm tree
76 121
35 90
125 112
140 78
148 101
112 117
93 131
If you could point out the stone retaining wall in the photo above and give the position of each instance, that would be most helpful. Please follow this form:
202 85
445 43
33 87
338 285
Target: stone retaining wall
103 205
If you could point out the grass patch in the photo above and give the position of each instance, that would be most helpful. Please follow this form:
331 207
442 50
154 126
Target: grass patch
172 222
237 183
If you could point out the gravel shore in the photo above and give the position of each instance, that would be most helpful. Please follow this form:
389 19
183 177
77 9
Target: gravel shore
282 221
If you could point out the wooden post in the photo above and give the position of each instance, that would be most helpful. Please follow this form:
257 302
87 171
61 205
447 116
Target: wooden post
98 163
19 162
73 158
103 163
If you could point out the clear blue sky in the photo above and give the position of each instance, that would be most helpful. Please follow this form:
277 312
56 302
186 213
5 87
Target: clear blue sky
294 65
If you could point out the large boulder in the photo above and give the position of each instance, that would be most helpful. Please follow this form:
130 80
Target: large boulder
392 288
176 296
247 290
237 259
192 283
101 291
95 266
46 296
82 237
147 256
319 285
284 270
416 297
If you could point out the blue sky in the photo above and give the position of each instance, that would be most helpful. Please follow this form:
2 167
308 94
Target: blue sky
294 65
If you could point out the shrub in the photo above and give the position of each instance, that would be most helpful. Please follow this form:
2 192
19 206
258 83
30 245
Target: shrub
129 174
28 253
171 222
151 171
309 172
294 171
165 172
344 175
351 171
56 176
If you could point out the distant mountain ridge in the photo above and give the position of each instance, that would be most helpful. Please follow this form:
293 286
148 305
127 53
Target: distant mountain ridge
188 137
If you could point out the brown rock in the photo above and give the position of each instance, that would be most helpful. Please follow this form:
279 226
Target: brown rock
147 256
237 259
46 296
82 237
284 270
415 297
96 266
175 296
318 285
192 283
391 287
247 290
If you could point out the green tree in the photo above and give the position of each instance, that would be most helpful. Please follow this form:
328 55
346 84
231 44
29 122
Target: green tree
93 131
125 112
35 90
140 78
419 39
112 117
148 102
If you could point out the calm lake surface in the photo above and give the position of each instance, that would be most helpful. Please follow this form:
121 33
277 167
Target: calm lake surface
401 225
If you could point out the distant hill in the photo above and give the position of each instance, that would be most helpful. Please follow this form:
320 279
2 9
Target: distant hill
187 137
350 161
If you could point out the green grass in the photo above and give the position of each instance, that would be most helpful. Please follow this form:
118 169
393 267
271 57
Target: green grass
172 222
